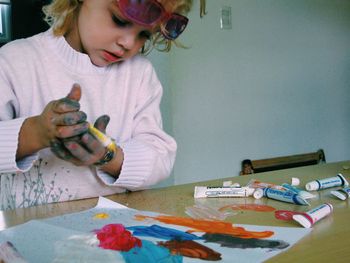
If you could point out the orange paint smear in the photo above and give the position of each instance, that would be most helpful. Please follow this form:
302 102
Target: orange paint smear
251 207
207 226
192 249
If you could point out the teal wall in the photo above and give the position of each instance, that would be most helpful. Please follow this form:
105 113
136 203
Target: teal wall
277 83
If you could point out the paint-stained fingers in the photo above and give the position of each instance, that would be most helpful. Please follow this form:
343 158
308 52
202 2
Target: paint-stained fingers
75 92
69 118
82 154
70 102
102 122
65 105
59 150
72 130
93 145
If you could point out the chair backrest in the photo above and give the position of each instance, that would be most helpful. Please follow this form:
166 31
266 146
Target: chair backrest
285 162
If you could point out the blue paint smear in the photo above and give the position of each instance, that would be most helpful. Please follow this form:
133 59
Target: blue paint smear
150 253
162 232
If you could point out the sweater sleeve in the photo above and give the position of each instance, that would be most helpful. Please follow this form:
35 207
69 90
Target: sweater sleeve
10 126
9 131
150 153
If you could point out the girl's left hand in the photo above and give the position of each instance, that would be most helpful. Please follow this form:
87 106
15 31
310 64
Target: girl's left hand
82 150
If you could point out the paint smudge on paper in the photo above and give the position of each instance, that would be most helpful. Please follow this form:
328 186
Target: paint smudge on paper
161 232
286 215
208 226
8 253
236 242
150 253
101 216
116 237
250 207
205 212
83 248
191 249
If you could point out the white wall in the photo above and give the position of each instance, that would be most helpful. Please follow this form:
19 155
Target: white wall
277 83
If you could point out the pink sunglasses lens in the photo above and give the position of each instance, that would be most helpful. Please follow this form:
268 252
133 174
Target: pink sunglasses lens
175 26
145 12
150 12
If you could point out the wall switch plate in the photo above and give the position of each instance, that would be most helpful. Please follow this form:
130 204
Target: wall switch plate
225 17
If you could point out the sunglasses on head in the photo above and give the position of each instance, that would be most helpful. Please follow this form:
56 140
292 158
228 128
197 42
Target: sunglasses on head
150 12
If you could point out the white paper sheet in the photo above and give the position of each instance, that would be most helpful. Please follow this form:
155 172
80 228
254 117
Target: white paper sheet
73 236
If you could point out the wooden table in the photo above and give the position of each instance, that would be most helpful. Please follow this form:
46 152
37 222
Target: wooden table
329 240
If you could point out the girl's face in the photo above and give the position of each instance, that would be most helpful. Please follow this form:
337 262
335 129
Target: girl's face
104 34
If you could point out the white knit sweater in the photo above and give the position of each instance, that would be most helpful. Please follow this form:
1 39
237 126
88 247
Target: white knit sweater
42 68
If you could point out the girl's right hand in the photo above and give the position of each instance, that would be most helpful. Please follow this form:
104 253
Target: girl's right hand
62 118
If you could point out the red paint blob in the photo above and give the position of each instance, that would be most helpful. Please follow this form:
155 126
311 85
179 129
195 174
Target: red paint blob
116 237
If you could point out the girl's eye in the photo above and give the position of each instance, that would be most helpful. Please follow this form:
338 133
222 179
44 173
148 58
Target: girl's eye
119 22
145 34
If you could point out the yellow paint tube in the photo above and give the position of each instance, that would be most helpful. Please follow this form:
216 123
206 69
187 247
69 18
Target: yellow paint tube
103 138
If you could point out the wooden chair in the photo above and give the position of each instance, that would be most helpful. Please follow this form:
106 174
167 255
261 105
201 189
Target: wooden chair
285 162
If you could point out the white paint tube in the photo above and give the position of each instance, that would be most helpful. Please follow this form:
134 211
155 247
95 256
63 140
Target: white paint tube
208 192
280 195
309 218
338 180
304 194
342 194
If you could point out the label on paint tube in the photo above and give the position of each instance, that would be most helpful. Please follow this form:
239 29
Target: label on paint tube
338 180
253 183
311 217
207 191
304 194
280 195
342 194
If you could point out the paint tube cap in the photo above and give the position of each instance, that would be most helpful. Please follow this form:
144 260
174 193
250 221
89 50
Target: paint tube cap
345 182
339 195
199 191
302 220
227 183
312 186
295 181
258 193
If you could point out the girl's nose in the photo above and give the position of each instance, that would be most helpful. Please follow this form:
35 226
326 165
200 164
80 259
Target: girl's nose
128 39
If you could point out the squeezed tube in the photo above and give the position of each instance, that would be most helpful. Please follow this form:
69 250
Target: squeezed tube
342 194
304 194
309 218
338 180
103 138
280 195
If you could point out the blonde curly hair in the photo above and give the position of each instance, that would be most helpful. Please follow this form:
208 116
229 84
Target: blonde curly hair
60 15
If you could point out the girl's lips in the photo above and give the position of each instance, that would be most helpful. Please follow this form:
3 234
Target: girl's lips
110 57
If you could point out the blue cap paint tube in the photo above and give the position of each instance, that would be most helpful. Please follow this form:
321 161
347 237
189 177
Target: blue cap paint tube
311 217
338 180
342 194
304 194
280 195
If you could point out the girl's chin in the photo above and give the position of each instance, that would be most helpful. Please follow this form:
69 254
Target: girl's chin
103 63
100 63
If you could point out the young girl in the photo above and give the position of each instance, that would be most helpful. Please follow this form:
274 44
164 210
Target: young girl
85 69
